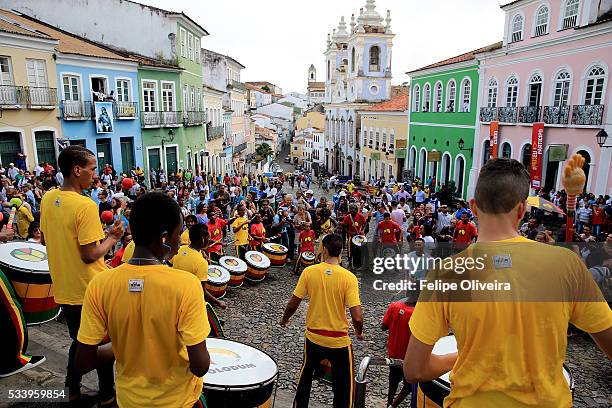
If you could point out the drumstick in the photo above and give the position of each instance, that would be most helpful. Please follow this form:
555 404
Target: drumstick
11 219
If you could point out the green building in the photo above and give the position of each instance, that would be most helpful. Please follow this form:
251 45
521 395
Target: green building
443 119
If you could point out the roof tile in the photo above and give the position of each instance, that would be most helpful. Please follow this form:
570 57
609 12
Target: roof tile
397 104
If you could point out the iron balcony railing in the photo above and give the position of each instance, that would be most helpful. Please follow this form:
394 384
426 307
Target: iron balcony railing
77 110
529 114
508 114
194 118
587 115
236 85
556 115
240 148
489 114
161 119
214 132
41 97
126 110
11 95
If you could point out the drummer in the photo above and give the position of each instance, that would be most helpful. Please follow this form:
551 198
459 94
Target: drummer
216 225
241 232
307 244
190 221
155 316
353 224
510 353
331 289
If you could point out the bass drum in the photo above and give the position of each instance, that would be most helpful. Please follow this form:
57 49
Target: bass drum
218 278
276 252
237 269
240 376
257 266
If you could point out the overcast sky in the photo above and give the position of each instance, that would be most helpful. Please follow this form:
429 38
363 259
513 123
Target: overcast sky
277 40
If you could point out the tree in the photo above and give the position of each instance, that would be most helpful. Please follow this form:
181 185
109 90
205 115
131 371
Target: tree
263 151
266 88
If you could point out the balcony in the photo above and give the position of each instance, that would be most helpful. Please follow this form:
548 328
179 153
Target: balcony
41 98
240 148
214 132
11 96
125 110
194 118
77 110
556 115
489 114
529 114
507 114
161 119
236 85
587 115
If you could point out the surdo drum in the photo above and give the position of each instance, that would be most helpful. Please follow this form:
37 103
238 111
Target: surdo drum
276 252
237 269
26 266
307 258
239 376
257 266
431 394
218 278
359 240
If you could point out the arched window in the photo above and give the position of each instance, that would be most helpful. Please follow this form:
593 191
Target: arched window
374 58
506 150
526 156
517 28
451 90
535 90
512 92
595 86
587 166
438 97
353 59
570 14
328 70
459 174
446 169
426 97
466 95
562 87
486 152
416 99
422 164
412 159
541 21
492 93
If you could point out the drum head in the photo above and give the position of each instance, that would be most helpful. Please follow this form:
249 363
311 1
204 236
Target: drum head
275 248
236 365
30 256
257 259
359 239
233 264
218 274
309 256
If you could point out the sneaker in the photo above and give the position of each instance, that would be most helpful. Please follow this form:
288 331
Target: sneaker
34 361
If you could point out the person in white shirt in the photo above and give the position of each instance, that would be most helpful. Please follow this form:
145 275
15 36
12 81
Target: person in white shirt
443 218
12 171
38 169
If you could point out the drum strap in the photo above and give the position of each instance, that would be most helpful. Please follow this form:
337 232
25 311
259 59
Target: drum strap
327 333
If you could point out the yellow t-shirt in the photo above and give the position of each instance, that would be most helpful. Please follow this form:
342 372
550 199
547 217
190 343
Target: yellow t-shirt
242 236
129 252
185 237
150 323
245 181
24 218
190 260
69 220
511 352
331 289
350 187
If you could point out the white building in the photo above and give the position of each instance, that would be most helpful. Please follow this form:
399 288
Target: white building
315 90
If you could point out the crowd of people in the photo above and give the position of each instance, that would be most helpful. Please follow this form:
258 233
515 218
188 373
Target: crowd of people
91 219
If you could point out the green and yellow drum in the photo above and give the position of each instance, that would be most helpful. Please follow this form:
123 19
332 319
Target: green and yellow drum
276 252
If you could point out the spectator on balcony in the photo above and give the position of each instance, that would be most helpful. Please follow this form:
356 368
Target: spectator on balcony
110 98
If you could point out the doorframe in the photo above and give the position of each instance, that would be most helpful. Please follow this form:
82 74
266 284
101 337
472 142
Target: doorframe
161 163
178 156
43 129
21 139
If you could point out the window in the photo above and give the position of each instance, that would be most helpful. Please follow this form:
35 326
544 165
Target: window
123 90
506 150
70 85
148 96
190 45
416 99
570 16
328 69
492 93
377 138
426 97
535 90
517 28
183 35
167 96
541 21
466 95
353 60
6 75
45 147
37 73
198 100
595 86
512 92
438 97
186 98
562 87
197 50
384 137
371 136
451 91
392 138
374 58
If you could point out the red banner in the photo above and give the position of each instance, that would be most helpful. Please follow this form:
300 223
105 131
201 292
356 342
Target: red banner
537 147
493 139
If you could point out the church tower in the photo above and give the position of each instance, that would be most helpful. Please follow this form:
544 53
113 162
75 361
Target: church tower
369 56
312 74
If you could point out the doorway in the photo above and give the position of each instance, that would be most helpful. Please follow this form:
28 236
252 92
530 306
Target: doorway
99 89
10 145
103 147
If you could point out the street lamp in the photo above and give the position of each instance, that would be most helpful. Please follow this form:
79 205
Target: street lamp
461 144
601 137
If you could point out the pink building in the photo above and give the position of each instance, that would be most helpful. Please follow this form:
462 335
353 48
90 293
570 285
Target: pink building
554 68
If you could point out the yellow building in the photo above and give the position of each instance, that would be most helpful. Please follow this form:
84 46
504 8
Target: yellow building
29 121
383 139
311 119
297 151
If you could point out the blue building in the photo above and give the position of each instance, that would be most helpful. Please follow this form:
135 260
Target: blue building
98 94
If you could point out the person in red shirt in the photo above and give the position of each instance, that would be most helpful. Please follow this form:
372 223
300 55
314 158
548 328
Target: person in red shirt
352 225
257 233
387 230
215 227
125 240
396 321
307 244
465 232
